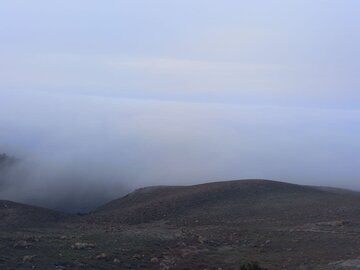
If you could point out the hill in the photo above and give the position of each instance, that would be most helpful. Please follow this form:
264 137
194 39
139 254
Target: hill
16 214
226 202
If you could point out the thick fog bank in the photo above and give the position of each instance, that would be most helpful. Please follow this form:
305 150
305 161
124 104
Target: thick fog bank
59 185
76 152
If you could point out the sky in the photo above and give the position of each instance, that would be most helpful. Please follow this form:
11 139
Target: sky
98 98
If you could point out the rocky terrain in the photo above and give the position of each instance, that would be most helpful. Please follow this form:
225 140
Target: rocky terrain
221 225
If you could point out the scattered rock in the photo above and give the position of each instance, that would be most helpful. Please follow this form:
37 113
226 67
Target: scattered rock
137 256
33 238
117 261
81 246
266 243
22 244
167 263
355 263
336 223
28 258
102 256
201 239
154 260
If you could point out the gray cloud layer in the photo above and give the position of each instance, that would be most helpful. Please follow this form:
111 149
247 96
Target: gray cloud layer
80 151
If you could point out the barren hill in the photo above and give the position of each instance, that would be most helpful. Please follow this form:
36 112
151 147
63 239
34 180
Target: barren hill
227 202
17 214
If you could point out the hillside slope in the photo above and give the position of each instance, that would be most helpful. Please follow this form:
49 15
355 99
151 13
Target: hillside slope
16 214
227 202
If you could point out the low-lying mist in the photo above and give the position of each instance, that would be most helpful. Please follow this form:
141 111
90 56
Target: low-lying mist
66 187
74 153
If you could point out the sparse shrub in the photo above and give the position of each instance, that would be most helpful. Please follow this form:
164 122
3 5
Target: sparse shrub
251 266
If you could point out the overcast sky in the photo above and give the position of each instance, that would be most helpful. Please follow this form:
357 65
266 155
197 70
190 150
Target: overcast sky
135 93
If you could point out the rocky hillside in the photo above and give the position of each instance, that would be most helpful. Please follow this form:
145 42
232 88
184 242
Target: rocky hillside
227 202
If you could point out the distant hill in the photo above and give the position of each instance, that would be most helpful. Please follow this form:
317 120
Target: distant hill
17 214
226 202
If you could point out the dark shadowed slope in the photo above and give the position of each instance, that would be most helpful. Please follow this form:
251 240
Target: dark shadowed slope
17 214
227 202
